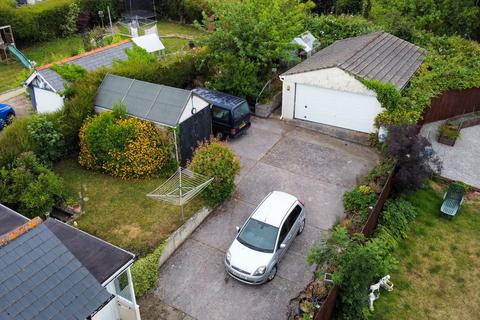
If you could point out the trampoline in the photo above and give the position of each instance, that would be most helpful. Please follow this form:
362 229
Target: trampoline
140 9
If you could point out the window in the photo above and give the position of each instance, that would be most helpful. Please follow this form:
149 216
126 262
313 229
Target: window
221 114
122 286
294 215
283 233
258 236
241 111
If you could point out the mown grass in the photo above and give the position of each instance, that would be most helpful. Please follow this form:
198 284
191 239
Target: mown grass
42 53
170 27
119 211
438 276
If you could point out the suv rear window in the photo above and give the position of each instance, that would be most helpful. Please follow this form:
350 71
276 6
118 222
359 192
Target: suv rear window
241 111
221 114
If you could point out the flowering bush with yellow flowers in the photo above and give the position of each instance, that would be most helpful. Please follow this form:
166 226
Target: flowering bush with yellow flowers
124 147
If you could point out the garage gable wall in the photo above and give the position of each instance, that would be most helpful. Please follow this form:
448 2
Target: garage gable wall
330 78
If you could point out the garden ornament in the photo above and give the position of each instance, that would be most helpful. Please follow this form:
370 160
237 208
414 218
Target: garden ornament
374 293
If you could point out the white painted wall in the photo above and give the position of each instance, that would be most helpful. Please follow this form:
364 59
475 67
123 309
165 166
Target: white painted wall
331 78
108 312
194 102
47 101
342 109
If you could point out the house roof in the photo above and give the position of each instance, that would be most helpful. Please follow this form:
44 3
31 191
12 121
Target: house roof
10 220
42 279
101 258
144 100
92 60
219 98
378 55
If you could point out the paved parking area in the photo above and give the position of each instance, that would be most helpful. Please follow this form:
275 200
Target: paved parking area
18 100
274 156
460 162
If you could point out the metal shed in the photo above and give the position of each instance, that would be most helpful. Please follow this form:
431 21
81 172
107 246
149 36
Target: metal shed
163 105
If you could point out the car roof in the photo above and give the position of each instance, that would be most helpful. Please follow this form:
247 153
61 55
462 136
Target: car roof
274 207
219 99
6 106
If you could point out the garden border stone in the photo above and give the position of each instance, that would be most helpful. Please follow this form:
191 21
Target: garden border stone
177 238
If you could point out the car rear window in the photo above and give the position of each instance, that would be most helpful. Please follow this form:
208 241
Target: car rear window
221 114
258 236
241 111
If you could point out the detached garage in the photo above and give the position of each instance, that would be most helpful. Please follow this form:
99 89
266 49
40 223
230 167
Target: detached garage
324 90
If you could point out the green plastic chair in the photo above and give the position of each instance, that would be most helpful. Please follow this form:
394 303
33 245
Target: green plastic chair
452 200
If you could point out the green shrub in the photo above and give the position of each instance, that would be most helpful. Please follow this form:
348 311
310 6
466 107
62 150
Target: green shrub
145 272
42 21
175 71
78 108
14 140
387 94
48 141
124 147
330 28
356 264
182 10
379 174
360 200
448 131
29 186
69 72
396 216
216 160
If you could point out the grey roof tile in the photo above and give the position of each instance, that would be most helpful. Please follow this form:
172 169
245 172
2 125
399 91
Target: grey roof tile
48 291
378 55
90 62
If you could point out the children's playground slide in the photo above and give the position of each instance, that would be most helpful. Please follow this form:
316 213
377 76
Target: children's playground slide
20 56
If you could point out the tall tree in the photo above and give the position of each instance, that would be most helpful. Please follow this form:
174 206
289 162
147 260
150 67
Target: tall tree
250 37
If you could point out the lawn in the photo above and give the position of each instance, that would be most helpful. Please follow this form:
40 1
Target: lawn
42 53
168 27
119 211
439 264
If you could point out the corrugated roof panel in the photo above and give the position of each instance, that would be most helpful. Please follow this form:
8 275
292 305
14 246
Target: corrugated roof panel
153 102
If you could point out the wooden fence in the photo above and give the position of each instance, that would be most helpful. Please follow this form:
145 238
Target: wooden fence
452 103
372 221
328 307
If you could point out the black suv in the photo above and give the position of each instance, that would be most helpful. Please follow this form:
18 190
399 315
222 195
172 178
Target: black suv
230 114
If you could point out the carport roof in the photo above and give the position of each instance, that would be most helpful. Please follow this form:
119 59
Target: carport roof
374 56
153 102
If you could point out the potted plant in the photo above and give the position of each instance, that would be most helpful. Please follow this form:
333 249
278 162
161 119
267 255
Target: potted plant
448 134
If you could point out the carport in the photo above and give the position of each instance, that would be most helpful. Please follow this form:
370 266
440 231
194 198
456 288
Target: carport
168 107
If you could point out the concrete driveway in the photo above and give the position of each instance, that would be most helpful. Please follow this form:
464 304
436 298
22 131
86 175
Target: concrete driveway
274 156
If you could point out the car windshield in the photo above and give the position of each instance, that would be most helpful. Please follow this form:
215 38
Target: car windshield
241 111
258 236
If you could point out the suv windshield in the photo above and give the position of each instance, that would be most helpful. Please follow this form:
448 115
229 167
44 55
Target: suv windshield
241 111
258 236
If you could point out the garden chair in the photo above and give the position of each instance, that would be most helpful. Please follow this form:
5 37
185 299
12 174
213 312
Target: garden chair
452 200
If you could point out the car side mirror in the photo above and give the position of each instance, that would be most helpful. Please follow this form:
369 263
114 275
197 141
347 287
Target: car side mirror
282 246
238 229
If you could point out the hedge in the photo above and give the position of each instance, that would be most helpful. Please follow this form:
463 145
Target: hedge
145 271
53 18
43 21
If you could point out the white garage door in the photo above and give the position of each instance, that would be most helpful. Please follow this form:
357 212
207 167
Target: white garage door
336 108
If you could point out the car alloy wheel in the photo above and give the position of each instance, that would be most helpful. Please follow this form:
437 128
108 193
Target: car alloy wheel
272 274
10 118
302 225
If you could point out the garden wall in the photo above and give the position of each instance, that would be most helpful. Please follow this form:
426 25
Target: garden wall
452 103
328 307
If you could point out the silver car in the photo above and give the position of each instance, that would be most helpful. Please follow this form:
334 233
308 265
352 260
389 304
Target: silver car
265 238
